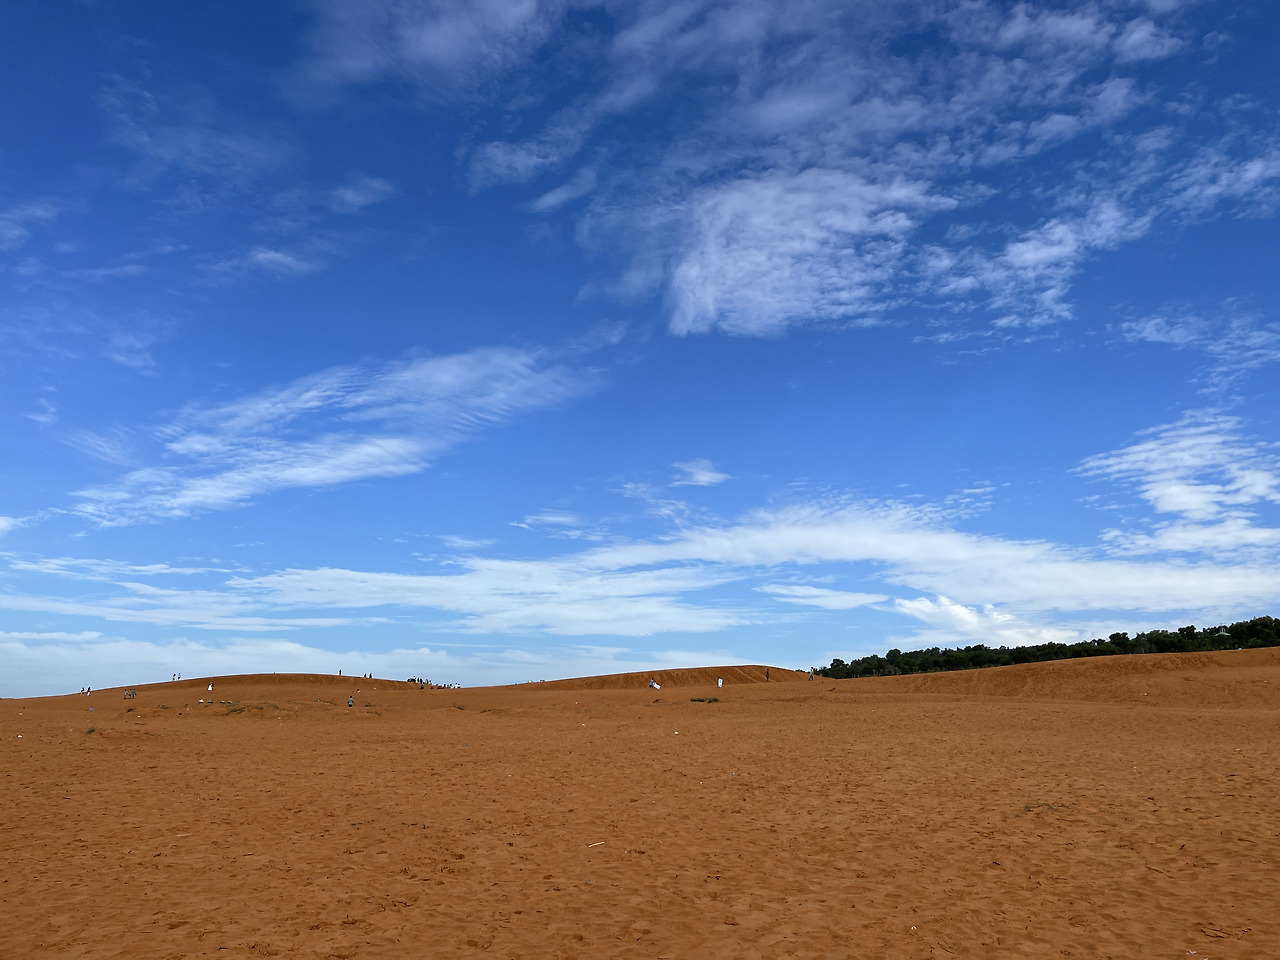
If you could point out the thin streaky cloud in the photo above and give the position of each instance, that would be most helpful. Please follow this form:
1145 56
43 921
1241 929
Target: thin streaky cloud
17 222
821 597
337 426
698 473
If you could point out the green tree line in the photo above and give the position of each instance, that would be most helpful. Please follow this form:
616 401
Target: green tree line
1258 632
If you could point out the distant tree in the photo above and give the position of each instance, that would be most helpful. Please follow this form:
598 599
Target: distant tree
1258 632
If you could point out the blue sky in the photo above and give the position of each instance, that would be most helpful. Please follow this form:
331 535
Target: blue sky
510 339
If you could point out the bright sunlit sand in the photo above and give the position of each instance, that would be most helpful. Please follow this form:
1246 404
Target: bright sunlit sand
1115 807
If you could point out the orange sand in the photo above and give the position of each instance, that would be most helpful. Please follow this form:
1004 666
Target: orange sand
1120 807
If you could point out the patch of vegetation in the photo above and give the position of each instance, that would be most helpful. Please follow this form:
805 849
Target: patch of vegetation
1258 632
130 710
90 730
458 706
704 699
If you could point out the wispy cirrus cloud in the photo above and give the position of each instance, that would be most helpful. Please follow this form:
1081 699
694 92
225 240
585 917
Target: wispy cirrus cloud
1237 339
443 45
142 604
17 222
279 261
822 158
693 582
698 473
948 623
819 244
1213 481
773 565
821 597
359 191
340 425
104 571
49 635
192 135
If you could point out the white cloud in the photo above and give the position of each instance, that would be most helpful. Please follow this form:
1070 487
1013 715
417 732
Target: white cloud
582 183
1212 480
8 523
633 588
810 167
106 571
111 449
1216 176
138 604
1032 276
16 222
1238 340
552 518
1046 31
281 261
466 543
46 413
278 261
803 197
762 253
340 425
48 635
953 624
441 44
131 348
1200 467
698 473
571 596
193 136
359 192
706 576
1143 40
821 597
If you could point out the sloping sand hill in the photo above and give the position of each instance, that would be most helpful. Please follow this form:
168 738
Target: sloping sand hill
1120 807
689 677
1215 680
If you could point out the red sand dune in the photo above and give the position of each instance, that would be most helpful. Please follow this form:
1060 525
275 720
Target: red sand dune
1115 807
687 677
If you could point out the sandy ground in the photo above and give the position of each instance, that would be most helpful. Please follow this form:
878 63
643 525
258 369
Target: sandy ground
1125 807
